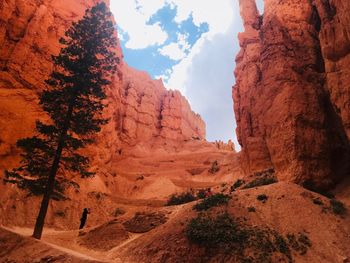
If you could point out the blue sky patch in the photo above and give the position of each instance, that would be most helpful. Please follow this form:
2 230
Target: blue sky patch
149 59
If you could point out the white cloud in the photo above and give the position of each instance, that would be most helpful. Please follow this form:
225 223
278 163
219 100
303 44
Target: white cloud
180 72
149 7
176 50
217 15
132 16
173 51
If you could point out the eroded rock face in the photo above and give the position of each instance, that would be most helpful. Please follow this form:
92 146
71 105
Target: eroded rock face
150 110
139 108
229 146
292 91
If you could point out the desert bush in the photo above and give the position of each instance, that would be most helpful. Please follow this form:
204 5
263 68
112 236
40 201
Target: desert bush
262 197
60 213
214 167
97 195
265 180
141 177
337 207
181 199
211 201
209 232
317 201
118 211
264 172
244 243
300 244
201 194
251 209
237 184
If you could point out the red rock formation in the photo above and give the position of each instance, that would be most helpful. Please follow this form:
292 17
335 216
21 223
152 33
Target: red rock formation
150 110
229 146
139 108
292 91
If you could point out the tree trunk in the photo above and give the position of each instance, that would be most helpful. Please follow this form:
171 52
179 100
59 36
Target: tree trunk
39 224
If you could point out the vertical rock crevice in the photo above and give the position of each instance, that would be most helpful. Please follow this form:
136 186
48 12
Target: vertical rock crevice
339 150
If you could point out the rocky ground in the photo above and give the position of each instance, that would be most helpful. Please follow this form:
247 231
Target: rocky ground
130 222
159 234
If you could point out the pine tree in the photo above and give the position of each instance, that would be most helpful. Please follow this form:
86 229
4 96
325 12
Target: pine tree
74 102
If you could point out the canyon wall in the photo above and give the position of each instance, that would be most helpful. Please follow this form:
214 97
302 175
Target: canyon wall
139 109
292 98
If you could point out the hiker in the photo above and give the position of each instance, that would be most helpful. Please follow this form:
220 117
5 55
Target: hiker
84 218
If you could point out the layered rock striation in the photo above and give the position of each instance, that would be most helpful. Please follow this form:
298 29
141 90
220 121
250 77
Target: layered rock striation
150 110
140 109
292 91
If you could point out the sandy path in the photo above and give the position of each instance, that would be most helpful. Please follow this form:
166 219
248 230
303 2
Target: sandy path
66 241
27 232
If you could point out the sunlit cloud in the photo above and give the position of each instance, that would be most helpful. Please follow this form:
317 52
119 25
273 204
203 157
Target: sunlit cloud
132 17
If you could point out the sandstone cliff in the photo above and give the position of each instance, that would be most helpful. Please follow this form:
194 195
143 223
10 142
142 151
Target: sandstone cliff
292 94
140 108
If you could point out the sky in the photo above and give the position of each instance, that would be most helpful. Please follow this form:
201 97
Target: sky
191 45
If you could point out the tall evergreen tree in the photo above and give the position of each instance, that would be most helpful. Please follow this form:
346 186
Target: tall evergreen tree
74 103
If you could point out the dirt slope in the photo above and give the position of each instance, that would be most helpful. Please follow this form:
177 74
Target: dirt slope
289 209
17 248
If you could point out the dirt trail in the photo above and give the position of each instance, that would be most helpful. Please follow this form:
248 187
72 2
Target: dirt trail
22 248
67 241
286 202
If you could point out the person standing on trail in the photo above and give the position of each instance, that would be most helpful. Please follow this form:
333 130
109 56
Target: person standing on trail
83 218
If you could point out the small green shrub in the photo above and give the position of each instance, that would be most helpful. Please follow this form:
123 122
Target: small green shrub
300 244
265 180
311 186
141 177
60 213
317 201
241 242
251 209
118 211
214 167
97 195
211 201
237 184
262 197
282 245
181 199
338 207
209 232
265 172
201 194
304 239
